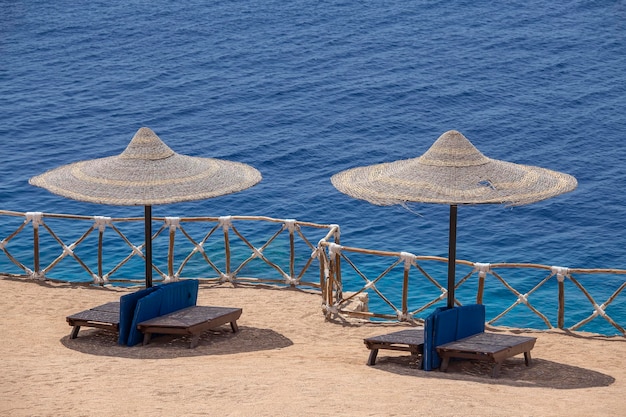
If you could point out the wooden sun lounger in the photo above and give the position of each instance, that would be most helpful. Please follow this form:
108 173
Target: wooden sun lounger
190 321
105 316
488 347
411 340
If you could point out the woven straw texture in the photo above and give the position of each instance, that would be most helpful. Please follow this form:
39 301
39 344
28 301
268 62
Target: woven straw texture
147 173
452 172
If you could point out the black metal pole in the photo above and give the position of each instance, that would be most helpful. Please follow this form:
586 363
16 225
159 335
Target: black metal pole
148 240
452 256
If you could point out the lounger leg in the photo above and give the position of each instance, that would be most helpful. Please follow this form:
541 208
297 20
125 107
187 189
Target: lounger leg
415 361
195 339
74 332
496 369
233 325
527 358
372 359
146 338
444 364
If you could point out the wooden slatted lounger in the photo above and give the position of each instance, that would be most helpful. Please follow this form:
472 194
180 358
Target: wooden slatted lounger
410 340
489 347
105 316
191 321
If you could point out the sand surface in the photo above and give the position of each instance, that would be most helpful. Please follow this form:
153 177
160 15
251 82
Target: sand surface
287 360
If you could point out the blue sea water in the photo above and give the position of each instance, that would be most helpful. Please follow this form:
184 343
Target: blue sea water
304 89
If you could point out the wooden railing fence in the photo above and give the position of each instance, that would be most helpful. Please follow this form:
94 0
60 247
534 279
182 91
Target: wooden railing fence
226 251
353 282
478 283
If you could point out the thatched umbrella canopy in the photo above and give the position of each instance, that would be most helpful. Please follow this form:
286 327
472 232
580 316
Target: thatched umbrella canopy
452 172
147 173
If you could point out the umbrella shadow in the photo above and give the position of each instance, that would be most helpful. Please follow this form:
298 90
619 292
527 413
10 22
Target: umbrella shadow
540 374
221 341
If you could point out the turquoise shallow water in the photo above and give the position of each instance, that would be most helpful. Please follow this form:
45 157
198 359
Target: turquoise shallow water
302 91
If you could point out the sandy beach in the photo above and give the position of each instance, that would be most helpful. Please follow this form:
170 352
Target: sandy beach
287 360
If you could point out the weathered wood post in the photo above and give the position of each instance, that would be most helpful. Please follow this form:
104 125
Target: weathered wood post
36 218
291 226
225 222
408 259
482 273
560 276
172 223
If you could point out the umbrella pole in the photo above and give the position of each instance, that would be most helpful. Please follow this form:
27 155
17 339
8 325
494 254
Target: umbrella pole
148 240
452 256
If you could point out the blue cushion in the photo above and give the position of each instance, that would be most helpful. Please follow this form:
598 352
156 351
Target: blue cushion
444 331
430 358
471 320
447 325
128 303
178 295
147 308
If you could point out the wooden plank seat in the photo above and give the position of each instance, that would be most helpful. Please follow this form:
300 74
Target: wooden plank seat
192 321
105 316
488 347
410 340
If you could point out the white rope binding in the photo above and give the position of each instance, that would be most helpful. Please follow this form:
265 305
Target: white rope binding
599 310
173 223
199 248
482 269
408 258
69 250
290 280
101 222
290 224
225 222
560 272
36 217
334 249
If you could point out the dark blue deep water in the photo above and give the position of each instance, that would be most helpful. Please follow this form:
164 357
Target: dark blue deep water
304 89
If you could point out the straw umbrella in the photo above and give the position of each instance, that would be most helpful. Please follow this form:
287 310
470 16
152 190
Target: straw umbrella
147 173
452 172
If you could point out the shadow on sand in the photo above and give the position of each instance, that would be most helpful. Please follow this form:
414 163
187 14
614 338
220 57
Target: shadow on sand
541 373
221 341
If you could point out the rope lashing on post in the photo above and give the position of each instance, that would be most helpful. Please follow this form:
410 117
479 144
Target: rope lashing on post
408 258
482 269
560 272
290 224
173 223
98 280
169 278
334 249
3 244
290 280
226 277
404 316
328 310
101 222
225 222
36 217
32 274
